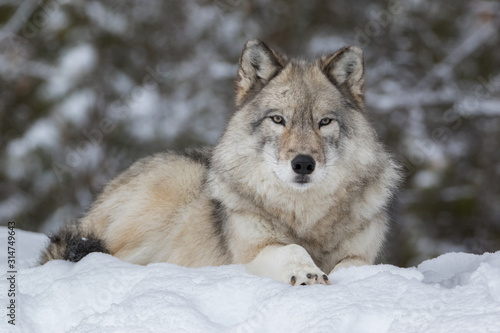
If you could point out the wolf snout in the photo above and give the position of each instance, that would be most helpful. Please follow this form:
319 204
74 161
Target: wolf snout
303 165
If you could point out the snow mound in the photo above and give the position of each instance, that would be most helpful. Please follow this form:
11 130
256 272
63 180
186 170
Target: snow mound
456 292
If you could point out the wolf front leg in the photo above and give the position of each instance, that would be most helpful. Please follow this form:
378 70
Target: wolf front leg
288 263
254 242
362 248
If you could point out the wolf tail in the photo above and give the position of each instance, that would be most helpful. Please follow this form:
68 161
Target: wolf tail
72 244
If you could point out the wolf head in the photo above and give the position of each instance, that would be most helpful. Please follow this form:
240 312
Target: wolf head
298 124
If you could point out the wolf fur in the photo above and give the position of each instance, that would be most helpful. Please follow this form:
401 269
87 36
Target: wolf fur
297 186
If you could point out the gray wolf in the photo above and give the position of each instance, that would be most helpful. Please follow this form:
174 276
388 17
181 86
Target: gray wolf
297 186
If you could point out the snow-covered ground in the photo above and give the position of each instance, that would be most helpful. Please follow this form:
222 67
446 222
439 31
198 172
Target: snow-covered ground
456 292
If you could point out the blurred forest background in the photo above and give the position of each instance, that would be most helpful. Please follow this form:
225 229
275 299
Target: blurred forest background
88 87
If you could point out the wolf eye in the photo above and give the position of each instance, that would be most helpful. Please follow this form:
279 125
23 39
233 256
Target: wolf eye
325 121
278 120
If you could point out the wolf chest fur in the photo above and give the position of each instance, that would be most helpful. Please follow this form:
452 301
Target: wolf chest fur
297 186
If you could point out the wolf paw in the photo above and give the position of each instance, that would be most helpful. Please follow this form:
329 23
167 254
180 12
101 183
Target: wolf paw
302 279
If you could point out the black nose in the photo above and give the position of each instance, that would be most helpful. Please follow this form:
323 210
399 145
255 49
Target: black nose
303 164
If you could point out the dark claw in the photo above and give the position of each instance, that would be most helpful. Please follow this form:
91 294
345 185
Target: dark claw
293 280
316 277
325 277
303 284
309 276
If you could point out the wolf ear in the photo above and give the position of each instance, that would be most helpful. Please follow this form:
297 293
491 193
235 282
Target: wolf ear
346 69
258 65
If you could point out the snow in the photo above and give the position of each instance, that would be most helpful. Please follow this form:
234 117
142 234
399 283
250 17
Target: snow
456 292
325 44
76 108
106 18
426 179
21 161
43 133
74 64
144 104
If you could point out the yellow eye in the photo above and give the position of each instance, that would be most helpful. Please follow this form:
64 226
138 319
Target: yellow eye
278 120
325 121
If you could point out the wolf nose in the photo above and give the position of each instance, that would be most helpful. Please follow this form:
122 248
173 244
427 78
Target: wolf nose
303 164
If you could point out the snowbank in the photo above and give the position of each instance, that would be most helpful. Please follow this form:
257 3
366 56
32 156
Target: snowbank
456 292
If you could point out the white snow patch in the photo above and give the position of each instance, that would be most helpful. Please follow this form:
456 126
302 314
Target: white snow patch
426 179
58 20
106 18
28 247
121 82
177 114
20 161
456 292
13 205
326 44
75 108
222 70
43 133
144 106
74 64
